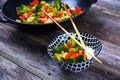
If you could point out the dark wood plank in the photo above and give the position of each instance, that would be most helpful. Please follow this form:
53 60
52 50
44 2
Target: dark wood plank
112 4
101 22
111 59
10 71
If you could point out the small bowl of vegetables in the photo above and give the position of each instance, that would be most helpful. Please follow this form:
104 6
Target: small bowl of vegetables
69 55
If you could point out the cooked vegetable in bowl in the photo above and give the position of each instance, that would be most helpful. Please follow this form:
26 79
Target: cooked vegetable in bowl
69 55
70 51
32 13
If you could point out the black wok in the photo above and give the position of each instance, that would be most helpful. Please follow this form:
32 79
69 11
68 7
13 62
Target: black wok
9 13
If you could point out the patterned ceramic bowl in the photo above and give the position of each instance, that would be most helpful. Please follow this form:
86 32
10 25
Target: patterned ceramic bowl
90 41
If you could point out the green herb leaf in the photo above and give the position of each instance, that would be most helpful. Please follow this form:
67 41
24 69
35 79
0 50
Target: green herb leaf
80 58
70 60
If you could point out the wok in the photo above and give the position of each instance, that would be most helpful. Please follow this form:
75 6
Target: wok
8 10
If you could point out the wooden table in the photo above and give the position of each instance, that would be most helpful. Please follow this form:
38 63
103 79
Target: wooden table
23 56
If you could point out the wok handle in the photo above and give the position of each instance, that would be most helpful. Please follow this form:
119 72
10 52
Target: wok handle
93 1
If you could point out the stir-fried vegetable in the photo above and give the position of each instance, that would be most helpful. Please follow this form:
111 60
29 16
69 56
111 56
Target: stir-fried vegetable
69 51
32 13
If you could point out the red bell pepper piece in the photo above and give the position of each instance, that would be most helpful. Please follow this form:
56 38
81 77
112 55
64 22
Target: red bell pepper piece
69 45
34 2
69 54
25 15
78 10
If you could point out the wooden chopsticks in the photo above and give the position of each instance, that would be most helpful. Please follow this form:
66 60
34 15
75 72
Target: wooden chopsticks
74 26
79 36
61 27
80 44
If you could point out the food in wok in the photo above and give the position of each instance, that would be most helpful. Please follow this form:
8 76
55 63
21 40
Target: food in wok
32 13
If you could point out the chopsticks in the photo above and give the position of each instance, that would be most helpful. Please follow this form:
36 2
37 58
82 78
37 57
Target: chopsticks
74 26
83 46
61 27
79 36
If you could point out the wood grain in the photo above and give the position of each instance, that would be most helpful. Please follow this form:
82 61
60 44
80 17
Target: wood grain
24 55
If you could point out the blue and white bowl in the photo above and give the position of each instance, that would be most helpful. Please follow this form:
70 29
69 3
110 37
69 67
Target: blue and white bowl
90 41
